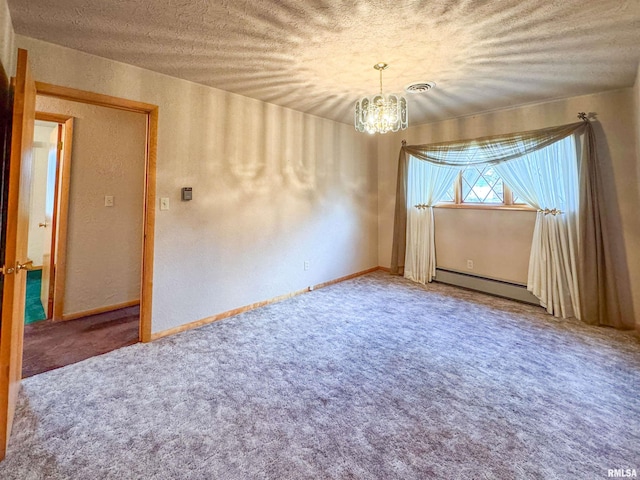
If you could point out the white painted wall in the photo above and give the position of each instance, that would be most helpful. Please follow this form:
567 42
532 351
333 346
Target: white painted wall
104 244
272 188
39 167
617 153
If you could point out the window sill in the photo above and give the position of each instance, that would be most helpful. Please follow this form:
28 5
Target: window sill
485 206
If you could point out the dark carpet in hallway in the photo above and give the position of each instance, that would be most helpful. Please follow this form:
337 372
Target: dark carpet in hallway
49 345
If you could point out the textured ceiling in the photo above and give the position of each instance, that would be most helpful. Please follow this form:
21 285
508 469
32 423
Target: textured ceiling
316 56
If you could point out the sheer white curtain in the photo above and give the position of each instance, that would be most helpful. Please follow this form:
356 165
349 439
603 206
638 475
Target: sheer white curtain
547 179
427 183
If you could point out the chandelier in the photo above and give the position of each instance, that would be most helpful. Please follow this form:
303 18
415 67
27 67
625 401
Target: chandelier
381 113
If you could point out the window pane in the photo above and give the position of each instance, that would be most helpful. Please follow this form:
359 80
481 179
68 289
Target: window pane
482 185
516 198
450 196
470 177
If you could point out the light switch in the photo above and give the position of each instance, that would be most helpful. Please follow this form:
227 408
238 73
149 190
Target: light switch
108 200
164 203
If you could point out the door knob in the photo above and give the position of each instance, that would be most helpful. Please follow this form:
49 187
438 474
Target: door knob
24 266
43 225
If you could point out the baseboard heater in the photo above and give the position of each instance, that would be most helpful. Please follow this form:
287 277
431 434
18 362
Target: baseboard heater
499 288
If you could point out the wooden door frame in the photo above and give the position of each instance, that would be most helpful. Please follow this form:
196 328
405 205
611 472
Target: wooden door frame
58 258
151 112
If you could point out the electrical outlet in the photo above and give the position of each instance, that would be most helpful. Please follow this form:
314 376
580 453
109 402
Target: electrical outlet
108 200
470 264
164 203
307 264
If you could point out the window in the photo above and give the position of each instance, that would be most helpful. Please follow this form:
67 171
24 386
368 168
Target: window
481 185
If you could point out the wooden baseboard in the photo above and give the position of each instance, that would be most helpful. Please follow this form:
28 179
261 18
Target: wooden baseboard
95 311
253 306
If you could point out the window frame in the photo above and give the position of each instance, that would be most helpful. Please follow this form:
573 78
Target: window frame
507 202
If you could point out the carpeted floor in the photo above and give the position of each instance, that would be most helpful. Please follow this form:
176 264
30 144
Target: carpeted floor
33 310
374 378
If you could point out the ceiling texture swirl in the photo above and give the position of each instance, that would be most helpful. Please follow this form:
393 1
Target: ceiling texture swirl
317 56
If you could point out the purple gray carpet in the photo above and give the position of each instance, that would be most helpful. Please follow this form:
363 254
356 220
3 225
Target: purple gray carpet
374 378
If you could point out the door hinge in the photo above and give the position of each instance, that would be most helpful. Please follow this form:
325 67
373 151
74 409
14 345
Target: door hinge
60 145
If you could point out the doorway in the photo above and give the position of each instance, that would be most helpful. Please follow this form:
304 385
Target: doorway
151 115
95 271
49 143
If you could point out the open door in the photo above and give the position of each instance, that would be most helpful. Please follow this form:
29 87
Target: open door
17 229
49 224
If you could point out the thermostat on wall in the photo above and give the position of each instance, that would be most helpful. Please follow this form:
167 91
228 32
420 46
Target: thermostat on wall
187 193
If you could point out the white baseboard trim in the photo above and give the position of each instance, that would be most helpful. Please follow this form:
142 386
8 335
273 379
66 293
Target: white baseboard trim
499 288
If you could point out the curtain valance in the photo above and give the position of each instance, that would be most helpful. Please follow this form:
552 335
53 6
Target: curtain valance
599 297
493 149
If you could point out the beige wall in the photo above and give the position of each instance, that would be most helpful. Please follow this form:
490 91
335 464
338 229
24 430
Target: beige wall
272 188
7 40
104 244
497 242
617 153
